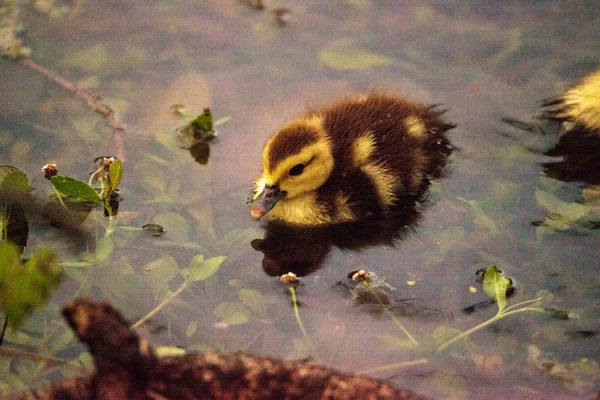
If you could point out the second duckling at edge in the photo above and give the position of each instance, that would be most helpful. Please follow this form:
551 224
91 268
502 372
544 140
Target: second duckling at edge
362 157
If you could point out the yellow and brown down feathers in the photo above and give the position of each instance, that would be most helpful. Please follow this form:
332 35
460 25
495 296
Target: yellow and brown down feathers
361 157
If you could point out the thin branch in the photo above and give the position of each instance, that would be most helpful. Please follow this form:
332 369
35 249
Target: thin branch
92 100
395 366
390 315
40 358
160 306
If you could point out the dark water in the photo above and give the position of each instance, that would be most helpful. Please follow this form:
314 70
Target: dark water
483 61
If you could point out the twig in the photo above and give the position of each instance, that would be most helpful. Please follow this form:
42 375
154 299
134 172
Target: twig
390 315
389 367
40 358
160 306
92 100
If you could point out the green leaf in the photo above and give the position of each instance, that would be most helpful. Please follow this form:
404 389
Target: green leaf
568 211
10 263
25 287
191 329
232 313
115 173
177 227
200 128
557 314
221 120
159 273
561 215
104 248
75 264
201 269
75 190
203 124
346 58
13 182
254 300
496 285
481 218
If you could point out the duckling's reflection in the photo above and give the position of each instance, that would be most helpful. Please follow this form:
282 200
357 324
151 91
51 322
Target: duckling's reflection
302 250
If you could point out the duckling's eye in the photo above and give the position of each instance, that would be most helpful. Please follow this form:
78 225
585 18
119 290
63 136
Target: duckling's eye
297 169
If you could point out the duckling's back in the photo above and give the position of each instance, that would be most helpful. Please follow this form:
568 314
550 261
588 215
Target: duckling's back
386 149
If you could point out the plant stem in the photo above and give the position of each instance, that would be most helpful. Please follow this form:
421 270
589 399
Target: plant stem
522 303
468 332
92 100
495 318
389 314
91 180
295 303
40 358
394 366
59 197
161 305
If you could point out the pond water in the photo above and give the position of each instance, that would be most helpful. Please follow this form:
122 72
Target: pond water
480 60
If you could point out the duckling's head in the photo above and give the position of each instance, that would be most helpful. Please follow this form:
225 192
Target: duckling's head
297 160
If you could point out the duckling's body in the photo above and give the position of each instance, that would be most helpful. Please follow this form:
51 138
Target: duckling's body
578 111
359 158
579 105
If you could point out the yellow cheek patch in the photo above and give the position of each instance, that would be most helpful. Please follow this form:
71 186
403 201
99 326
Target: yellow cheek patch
362 149
386 184
414 126
302 210
582 103
314 175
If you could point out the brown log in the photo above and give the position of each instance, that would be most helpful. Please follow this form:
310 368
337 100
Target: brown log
126 368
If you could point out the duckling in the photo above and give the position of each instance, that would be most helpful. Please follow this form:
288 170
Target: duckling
578 111
572 119
579 105
362 157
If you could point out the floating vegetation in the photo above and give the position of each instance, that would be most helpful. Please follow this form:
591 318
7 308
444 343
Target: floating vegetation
197 132
25 286
346 56
579 376
495 285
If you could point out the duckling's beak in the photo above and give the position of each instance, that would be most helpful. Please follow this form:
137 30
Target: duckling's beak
266 200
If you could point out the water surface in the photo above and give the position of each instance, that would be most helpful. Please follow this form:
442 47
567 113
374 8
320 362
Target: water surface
482 61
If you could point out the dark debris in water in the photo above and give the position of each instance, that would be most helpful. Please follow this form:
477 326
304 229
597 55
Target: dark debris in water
156 229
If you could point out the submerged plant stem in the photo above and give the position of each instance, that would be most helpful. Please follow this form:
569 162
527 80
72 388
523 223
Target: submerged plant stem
92 100
394 366
389 314
159 307
40 358
297 313
495 318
